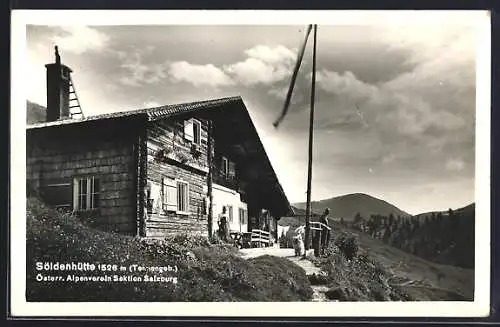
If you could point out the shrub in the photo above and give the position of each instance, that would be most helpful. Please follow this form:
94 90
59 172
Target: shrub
348 245
360 279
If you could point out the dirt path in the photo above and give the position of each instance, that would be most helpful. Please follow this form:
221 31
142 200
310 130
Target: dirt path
307 265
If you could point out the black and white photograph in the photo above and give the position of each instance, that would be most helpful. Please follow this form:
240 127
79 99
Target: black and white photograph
173 161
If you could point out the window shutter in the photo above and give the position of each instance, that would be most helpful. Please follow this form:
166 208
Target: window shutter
188 130
156 195
231 169
169 194
204 135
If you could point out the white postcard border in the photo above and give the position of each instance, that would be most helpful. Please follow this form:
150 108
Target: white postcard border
19 306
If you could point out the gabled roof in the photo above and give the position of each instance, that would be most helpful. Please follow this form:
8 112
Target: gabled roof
151 113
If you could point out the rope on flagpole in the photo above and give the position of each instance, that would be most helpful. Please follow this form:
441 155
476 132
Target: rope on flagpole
294 77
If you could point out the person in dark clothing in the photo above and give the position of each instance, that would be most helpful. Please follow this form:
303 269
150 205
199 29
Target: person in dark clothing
325 232
223 228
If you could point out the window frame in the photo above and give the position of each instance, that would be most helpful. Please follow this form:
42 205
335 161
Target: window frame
225 166
230 213
186 198
90 194
197 123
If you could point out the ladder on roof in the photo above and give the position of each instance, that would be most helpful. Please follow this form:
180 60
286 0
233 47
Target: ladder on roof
73 101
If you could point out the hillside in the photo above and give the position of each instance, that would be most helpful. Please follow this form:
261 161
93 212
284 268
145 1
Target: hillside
178 268
423 280
381 272
346 206
34 112
445 237
449 236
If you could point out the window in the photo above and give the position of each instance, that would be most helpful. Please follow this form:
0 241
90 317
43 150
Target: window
242 213
242 220
85 193
196 132
225 166
230 213
192 131
182 196
231 169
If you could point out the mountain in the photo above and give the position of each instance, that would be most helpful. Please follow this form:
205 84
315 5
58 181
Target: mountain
346 206
35 113
467 211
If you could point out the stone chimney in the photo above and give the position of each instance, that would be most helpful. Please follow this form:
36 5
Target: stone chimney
58 88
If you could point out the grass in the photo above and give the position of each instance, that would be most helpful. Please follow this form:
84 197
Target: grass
205 272
381 271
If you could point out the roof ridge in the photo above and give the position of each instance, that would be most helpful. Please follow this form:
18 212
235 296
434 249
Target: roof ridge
151 113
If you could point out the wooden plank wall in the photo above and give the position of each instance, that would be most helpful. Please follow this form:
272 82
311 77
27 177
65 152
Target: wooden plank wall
60 155
168 134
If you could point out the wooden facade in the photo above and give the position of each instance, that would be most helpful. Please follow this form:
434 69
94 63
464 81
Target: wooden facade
146 172
173 157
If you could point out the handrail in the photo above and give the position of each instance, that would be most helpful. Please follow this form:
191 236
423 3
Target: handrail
320 225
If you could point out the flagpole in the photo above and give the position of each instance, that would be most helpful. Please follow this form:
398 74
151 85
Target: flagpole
311 123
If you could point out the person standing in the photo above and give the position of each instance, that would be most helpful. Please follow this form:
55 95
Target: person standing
223 228
325 231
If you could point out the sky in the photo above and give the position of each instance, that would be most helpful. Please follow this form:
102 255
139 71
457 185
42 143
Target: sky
395 104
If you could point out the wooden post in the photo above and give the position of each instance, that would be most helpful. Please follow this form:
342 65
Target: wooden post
209 179
311 123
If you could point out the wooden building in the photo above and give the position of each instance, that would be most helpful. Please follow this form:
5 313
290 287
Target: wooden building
147 172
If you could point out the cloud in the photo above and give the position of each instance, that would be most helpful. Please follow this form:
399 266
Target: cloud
136 71
280 93
344 84
199 75
276 55
396 110
264 65
79 39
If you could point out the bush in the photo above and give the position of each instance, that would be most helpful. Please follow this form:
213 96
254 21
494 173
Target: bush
348 245
359 279
205 272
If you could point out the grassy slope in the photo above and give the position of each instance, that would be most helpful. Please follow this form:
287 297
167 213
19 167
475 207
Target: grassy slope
421 279
206 272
